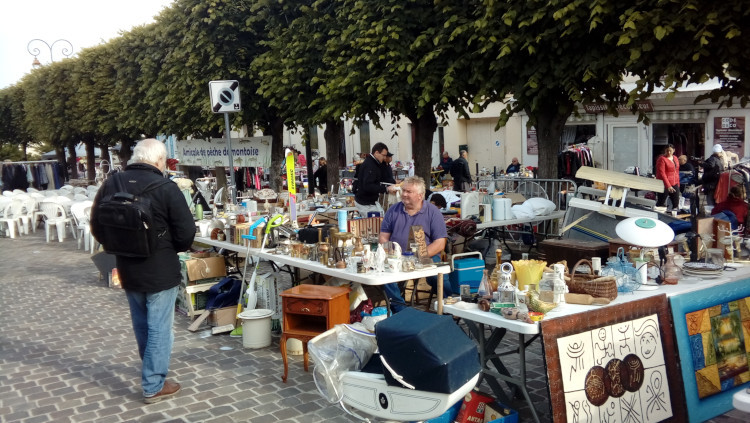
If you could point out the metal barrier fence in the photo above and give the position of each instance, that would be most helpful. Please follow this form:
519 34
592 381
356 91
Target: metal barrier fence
555 190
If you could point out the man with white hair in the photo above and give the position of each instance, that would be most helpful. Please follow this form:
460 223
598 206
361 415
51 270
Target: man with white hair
151 284
413 210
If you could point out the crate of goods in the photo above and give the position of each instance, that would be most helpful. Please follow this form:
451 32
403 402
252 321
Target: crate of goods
466 271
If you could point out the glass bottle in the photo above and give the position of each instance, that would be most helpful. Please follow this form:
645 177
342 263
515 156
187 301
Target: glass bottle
484 291
672 272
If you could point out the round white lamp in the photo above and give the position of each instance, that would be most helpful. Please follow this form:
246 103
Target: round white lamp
644 232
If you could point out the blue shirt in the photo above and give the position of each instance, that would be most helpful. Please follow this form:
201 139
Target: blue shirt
398 223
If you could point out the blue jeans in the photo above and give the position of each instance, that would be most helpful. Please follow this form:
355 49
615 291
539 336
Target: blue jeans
152 314
393 292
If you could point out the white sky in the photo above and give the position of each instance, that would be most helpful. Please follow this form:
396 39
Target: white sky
85 23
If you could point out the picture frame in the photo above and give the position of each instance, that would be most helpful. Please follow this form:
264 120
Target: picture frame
701 409
614 364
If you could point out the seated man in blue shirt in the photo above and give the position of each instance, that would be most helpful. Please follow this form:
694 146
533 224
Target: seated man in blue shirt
413 210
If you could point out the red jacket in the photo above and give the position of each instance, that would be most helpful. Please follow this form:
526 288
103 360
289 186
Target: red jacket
668 171
737 206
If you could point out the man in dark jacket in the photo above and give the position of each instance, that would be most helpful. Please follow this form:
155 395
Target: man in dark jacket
712 168
320 177
461 173
151 284
369 178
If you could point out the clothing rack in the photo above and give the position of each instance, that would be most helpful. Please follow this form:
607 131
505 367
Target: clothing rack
29 162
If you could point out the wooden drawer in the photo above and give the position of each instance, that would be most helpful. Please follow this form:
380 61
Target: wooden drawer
312 307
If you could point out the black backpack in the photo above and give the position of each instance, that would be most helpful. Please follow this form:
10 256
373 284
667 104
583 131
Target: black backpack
125 221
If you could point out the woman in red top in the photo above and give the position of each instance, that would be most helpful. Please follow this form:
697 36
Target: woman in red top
668 171
734 203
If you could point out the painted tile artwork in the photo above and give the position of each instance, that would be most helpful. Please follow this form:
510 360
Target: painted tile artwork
719 346
616 373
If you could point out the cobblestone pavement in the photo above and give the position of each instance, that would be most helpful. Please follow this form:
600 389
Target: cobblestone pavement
67 354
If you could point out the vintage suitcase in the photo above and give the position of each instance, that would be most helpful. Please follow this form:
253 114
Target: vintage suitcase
429 351
572 250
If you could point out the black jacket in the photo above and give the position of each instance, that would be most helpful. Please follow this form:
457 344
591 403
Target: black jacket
320 179
369 176
461 174
712 169
387 173
170 211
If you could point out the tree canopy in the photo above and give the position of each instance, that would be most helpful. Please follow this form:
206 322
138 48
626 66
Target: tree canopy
303 63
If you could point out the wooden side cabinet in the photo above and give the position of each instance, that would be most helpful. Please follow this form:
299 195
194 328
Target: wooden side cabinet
309 310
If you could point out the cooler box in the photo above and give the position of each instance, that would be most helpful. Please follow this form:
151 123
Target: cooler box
466 271
429 351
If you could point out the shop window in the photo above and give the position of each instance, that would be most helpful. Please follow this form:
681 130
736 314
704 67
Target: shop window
364 137
313 133
687 139
576 134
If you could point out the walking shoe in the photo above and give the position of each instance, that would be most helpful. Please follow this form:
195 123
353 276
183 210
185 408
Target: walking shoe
167 391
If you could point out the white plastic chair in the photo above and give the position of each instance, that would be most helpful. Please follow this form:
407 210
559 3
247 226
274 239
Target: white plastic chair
80 197
56 217
12 217
79 190
81 211
4 201
27 216
31 189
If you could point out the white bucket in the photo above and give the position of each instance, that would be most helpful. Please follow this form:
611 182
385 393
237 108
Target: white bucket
256 328
293 346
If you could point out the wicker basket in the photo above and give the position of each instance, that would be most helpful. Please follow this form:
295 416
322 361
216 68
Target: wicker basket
594 285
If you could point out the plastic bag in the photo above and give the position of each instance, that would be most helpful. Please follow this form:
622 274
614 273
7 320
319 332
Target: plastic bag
337 351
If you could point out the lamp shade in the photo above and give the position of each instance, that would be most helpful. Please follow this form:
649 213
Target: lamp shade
644 232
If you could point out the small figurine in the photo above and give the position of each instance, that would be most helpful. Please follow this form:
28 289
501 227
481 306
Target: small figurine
380 258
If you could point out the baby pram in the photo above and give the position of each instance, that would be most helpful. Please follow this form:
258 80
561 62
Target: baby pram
428 365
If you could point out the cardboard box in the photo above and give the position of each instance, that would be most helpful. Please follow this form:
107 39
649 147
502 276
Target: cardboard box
223 316
472 409
496 412
205 268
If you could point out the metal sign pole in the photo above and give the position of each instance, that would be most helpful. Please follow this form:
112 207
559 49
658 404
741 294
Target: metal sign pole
232 187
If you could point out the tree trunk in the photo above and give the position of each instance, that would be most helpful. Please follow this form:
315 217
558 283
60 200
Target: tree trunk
550 121
333 136
125 152
90 159
276 128
424 128
308 155
72 162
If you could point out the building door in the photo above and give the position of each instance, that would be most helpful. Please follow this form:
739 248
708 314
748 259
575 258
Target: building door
486 146
627 148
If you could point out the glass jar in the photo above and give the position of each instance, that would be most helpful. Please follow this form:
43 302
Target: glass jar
409 262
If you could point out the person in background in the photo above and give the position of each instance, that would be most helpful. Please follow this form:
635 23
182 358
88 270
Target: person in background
668 171
387 169
369 177
413 210
734 206
688 174
445 163
320 177
461 173
151 284
514 166
438 201
301 160
712 169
